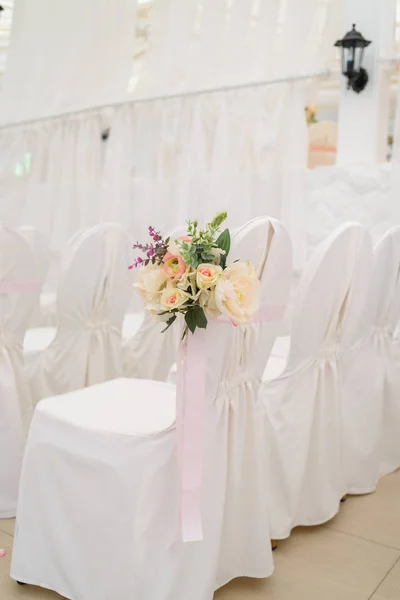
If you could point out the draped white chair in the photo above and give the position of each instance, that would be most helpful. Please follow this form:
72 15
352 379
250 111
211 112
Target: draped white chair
372 380
39 245
93 295
241 540
101 471
19 290
43 328
149 354
387 344
303 417
43 313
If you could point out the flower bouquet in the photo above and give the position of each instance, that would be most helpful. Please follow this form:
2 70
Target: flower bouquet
190 276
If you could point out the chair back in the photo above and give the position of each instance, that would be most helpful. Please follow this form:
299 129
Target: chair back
93 294
40 248
19 289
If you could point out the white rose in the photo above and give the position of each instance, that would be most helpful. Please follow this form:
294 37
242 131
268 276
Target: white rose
207 275
173 297
206 299
237 293
151 281
187 281
217 253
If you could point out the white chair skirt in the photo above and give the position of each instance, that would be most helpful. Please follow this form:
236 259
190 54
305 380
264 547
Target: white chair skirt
305 462
98 506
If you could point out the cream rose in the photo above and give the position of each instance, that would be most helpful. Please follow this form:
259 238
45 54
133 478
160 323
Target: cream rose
206 299
237 293
188 281
151 281
217 253
207 275
173 297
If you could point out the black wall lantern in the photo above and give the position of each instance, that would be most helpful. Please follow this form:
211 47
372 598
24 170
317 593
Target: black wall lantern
352 46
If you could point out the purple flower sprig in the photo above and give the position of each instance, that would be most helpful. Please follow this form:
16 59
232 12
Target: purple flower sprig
154 251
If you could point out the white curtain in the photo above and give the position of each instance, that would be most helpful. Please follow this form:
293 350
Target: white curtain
199 44
243 150
67 56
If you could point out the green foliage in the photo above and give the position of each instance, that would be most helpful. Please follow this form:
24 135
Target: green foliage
224 241
195 317
169 323
200 250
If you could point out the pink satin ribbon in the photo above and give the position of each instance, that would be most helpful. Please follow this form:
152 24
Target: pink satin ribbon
190 422
322 149
16 287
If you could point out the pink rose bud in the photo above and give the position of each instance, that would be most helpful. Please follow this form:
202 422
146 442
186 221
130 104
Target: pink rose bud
150 252
139 260
156 238
130 267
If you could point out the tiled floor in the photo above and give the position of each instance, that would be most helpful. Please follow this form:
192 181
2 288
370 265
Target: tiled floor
354 557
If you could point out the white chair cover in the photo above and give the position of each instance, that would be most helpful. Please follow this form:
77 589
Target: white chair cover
43 314
372 376
40 247
303 426
387 344
107 454
39 338
93 294
149 354
18 296
248 495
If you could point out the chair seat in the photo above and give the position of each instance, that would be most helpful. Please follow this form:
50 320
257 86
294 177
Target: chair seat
122 406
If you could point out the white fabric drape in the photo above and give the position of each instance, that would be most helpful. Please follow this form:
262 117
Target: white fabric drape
207 152
18 295
164 161
50 175
208 43
67 56
242 150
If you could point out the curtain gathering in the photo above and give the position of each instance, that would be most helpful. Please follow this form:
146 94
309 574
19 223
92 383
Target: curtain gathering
243 150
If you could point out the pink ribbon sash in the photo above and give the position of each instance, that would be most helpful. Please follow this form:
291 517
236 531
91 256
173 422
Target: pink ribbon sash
190 421
17 287
331 149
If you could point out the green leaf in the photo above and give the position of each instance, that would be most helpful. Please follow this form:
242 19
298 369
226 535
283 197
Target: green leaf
207 257
190 319
224 241
218 219
195 317
201 319
169 323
